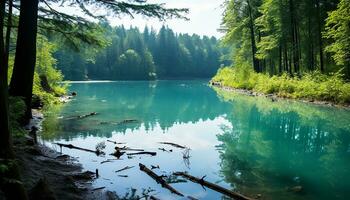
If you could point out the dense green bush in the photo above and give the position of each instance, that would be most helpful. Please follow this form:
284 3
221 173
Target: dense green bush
45 67
311 86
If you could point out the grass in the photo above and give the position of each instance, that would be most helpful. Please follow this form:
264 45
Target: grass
311 86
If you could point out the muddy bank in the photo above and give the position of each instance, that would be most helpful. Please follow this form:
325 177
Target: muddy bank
275 97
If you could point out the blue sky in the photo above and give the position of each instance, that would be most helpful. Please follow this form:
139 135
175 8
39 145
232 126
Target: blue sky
205 17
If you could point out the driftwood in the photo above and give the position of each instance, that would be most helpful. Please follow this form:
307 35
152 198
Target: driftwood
114 142
99 188
127 149
143 153
153 198
159 179
83 116
162 149
70 146
191 198
118 153
125 121
213 186
108 160
173 144
125 168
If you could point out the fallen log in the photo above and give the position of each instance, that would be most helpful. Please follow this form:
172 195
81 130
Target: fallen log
114 142
125 168
111 141
191 198
213 186
82 116
143 153
118 153
99 188
70 146
173 144
108 160
159 179
162 149
125 121
127 149
153 198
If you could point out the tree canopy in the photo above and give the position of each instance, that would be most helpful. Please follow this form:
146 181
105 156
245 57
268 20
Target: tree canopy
277 36
147 55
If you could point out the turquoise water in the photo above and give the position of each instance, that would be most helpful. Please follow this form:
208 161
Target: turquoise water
279 150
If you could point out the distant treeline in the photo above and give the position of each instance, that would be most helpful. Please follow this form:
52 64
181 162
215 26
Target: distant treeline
134 55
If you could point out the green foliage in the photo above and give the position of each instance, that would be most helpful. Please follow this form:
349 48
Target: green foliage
311 86
45 67
338 30
134 55
285 36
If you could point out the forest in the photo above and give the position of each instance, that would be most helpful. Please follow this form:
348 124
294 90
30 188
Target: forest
133 55
70 79
296 49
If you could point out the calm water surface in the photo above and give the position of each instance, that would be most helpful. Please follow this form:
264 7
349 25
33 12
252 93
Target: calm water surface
249 144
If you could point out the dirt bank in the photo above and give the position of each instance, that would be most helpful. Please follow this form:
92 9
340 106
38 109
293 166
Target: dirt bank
47 174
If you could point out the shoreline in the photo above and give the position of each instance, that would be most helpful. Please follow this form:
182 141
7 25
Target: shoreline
47 173
275 97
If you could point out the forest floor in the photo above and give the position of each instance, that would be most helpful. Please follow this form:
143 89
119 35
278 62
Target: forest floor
47 174
275 97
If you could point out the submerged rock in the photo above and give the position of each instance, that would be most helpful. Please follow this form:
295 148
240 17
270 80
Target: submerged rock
296 189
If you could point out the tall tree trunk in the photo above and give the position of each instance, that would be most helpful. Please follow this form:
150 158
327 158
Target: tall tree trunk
23 71
286 57
320 42
12 189
8 33
310 57
252 38
5 137
294 35
280 60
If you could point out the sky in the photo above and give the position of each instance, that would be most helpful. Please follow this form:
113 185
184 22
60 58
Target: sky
205 17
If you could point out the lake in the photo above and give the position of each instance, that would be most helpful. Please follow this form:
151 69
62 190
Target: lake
279 150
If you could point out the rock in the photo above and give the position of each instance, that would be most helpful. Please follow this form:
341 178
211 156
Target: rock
41 191
74 93
36 102
296 189
87 175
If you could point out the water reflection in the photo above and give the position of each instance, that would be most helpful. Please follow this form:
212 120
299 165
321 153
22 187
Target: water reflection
281 150
151 103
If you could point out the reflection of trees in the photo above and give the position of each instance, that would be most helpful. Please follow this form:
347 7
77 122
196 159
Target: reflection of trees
273 146
162 103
